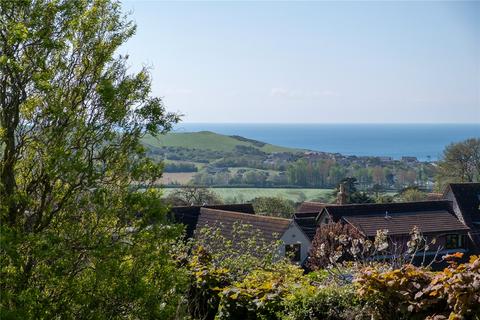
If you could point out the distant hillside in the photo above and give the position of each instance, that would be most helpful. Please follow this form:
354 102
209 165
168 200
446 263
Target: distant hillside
206 140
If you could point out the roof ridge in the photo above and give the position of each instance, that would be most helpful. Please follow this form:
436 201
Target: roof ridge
388 204
245 214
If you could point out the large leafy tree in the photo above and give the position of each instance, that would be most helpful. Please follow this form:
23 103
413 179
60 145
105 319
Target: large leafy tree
78 239
460 163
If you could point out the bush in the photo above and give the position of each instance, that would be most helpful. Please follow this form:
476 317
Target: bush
216 262
261 294
274 206
327 302
417 293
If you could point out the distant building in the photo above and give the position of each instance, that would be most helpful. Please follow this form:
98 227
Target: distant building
409 159
386 159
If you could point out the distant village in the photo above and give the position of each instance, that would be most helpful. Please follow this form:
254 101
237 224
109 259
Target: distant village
252 167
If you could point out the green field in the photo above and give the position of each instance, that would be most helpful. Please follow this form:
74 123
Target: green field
207 140
246 194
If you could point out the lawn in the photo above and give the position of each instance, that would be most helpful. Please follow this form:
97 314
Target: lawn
246 194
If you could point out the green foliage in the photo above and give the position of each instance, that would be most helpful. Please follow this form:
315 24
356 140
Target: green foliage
78 239
279 290
324 302
218 260
353 195
410 194
460 163
261 293
274 206
211 141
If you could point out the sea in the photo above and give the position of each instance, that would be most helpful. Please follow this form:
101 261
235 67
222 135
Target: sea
424 141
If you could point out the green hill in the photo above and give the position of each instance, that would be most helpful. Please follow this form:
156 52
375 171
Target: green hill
206 140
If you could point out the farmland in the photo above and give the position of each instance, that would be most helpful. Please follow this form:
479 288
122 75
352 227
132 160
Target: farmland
247 194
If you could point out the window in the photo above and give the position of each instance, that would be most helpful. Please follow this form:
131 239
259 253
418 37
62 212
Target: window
454 241
293 251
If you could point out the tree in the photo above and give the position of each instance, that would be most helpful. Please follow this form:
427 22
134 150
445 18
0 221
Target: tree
460 163
192 196
78 237
411 194
274 206
353 195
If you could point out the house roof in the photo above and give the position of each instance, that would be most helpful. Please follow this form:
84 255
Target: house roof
188 215
307 221
309 206
336 212
435 196
272 228
467 196
402 223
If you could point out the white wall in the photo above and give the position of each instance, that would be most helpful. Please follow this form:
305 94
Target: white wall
295 235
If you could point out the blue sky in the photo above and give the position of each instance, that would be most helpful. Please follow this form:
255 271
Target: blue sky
310 62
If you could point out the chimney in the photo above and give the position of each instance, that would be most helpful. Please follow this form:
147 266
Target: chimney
342 195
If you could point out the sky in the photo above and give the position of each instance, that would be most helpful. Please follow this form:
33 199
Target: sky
311 62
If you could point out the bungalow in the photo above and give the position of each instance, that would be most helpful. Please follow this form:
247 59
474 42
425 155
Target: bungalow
435 219
293 241
466 206
188 215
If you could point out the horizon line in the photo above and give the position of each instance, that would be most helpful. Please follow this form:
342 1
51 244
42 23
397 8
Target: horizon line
369 123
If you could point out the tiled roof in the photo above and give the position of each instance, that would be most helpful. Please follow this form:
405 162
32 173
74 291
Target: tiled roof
307 206
402 223
336 212
434 196
272 228
468 199
188 215
307 221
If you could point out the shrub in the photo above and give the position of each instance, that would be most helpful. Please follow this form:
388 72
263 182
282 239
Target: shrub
261 294
417 293
326 302
217 261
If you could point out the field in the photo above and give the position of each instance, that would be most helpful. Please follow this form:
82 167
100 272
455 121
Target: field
207 140
246 194
176 177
